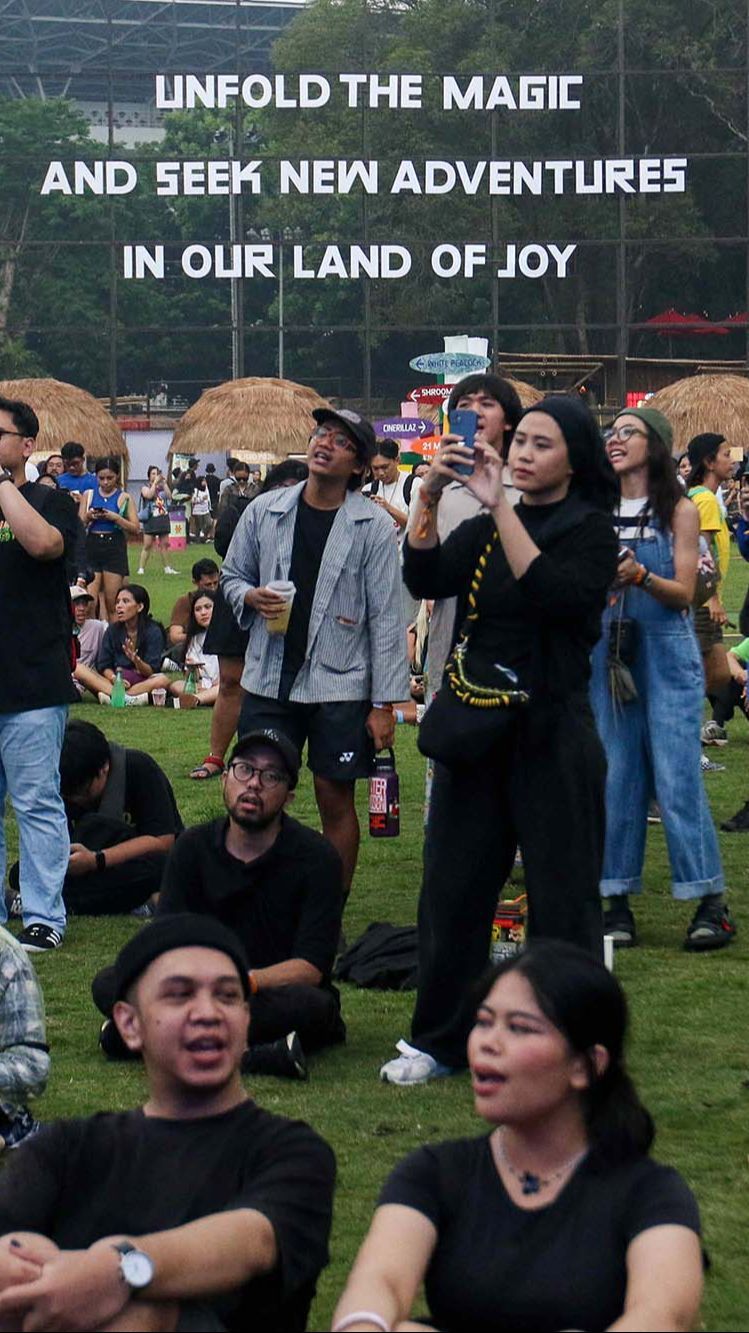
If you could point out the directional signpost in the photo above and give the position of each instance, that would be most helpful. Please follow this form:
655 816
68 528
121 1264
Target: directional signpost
402 428
449 363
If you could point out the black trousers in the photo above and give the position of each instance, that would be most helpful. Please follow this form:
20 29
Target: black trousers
730 697
119 889
544 791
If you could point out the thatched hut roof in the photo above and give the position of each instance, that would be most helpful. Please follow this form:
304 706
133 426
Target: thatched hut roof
65 413
257 419
706 403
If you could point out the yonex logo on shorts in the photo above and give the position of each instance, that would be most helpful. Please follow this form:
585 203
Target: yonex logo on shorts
346 757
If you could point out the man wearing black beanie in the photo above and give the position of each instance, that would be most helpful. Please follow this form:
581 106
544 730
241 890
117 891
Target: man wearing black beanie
197 1211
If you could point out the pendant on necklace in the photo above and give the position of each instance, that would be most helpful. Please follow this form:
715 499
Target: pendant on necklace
531 1184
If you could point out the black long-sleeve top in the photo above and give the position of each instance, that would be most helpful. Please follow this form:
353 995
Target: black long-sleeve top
544 624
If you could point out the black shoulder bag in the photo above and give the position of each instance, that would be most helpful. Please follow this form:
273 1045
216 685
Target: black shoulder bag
465 719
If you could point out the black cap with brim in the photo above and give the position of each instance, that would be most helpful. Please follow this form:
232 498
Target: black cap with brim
278 742
182 930
358 427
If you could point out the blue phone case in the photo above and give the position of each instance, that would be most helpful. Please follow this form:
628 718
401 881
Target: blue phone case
464 422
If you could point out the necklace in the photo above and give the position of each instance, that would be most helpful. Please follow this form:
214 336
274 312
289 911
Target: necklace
529 1182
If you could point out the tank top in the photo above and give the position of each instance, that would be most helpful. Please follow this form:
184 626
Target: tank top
109 502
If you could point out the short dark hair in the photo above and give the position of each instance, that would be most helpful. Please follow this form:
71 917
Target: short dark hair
202 567
497 388
388 449
72 449
210 467
110 462
291 469
240 463
587 1005
85 751
24 417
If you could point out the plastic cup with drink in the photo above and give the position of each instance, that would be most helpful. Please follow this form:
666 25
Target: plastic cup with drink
159 697
279 623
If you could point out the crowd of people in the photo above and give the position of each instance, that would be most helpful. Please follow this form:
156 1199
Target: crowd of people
563 592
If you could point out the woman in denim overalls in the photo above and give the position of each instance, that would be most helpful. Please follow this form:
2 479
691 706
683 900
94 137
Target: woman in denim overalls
652 742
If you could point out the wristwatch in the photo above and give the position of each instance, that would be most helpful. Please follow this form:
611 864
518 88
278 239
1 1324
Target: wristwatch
136 1267
5 475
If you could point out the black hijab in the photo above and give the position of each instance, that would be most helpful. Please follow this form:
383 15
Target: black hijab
593 477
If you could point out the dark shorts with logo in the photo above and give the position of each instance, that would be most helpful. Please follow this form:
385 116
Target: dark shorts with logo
339 745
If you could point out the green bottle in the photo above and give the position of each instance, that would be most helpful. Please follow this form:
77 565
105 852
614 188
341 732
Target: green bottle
118 691
190 684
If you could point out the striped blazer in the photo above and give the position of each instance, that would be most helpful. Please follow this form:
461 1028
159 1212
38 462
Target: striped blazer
356 648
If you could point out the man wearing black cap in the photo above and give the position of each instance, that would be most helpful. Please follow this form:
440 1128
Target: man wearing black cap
278 886
197 1211
332 677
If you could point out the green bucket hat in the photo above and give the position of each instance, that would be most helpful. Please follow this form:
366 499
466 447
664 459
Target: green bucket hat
654 419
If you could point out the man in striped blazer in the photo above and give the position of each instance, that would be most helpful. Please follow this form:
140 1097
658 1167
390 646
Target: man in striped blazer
332 678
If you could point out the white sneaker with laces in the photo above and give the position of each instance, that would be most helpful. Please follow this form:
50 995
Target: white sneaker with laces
141 570
412 1067
135 700
168 570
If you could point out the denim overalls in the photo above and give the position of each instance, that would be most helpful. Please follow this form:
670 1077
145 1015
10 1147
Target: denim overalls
653 744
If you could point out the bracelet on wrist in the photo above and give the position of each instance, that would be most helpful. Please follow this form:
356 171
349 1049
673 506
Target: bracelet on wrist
362 1317
101 861
639 576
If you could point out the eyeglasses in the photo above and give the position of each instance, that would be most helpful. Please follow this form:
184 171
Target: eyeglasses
340 440
244 772
622 432
19 433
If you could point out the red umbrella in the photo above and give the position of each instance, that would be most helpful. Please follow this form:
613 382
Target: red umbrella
672 323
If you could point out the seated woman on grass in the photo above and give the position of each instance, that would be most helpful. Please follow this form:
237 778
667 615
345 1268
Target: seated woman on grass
204 665
559 1218
134 645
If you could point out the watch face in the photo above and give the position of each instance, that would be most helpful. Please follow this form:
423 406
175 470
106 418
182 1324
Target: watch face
137 1268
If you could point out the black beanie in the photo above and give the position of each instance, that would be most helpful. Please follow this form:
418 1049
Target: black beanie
178 931
593 478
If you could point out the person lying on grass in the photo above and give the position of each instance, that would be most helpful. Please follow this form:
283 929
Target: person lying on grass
198 1210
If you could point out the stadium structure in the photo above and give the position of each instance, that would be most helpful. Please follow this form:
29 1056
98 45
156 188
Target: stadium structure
98 52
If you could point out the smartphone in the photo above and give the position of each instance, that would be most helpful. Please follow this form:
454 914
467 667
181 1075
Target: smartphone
464 422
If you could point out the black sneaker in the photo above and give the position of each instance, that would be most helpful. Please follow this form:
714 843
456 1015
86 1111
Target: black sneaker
39 938
283 1058
112 1044
619 923
711 926
738 823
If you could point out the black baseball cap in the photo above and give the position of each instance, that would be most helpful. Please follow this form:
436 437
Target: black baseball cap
356 426
178 930
278 742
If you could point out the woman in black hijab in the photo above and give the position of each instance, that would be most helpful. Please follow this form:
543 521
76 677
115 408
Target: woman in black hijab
519 762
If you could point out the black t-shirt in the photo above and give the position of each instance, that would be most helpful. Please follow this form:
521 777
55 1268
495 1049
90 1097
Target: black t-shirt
286 904
504 1269
35 650
311 532
127 1173
148 799
544 624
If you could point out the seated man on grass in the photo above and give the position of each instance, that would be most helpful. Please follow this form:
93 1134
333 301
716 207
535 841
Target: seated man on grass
205 576
123 820
24 1054
279 887
197 1211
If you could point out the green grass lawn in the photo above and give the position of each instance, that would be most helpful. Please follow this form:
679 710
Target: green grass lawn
689 1013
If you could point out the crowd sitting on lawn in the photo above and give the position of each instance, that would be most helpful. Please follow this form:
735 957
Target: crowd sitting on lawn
232 977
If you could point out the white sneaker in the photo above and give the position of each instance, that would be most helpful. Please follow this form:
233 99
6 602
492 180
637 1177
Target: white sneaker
135 700
103 698
168 570
412 1067
141 570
